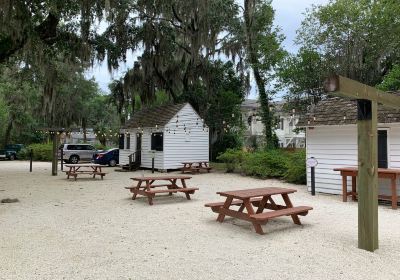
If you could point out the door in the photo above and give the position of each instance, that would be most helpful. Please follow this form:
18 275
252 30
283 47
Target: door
138 148
382 149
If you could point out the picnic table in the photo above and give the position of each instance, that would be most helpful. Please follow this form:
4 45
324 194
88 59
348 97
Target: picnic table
261 198
145 186
84 168
392 174
195 166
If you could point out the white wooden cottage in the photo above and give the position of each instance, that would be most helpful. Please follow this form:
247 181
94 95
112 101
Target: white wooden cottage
331 138
172 134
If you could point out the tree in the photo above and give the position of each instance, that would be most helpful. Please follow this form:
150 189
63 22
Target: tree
358 39
302 75
263 51
391 82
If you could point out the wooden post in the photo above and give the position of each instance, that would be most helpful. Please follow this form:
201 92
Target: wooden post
54 161
367 175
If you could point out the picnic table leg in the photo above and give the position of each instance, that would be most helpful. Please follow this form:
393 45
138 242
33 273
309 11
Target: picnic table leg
149 196
227 204
394 193
135 190
344 187
241 208
184 186
353 188
250 211
69 172
289 204
94 171
261 206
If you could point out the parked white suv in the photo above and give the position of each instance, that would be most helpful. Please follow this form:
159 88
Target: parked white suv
73 153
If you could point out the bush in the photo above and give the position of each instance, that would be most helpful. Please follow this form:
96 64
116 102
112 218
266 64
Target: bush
277 163
230 141
268 164
41 152
297 171
232 159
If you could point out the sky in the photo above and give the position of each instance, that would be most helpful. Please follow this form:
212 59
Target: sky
288 16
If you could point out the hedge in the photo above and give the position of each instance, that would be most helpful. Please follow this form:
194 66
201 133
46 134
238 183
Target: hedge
290 166
41 152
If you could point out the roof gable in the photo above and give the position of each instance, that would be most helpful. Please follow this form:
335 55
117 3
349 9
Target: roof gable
156 116
342 111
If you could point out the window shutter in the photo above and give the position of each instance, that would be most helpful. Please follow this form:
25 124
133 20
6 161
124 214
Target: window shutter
121 141
382 149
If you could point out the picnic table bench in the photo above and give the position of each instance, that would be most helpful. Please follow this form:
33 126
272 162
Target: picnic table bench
84 168
392 174
170 182
261 198
195 166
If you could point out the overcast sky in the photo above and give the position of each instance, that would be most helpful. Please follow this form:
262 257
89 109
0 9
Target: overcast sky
288 16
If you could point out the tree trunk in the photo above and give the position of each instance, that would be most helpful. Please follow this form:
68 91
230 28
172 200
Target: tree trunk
253 60
84 130
7 136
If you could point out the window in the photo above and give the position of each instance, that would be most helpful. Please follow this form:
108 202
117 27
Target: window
121 141
157 143
282 126
88 148
382 149
128 142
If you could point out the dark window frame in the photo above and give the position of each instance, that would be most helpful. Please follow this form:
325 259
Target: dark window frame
157 141
383 152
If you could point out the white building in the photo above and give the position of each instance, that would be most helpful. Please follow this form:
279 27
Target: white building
171 133
331 131
286 124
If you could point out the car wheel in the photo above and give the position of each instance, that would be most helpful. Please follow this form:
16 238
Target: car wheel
12 157
112 163
74 159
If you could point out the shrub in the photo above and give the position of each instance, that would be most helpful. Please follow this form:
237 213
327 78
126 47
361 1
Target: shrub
268 164
41 152
289 166
297 171
232 159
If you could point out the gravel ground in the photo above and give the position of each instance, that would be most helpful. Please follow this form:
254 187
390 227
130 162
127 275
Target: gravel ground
91 229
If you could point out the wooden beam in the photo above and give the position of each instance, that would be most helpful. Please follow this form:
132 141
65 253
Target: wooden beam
346 87
368 175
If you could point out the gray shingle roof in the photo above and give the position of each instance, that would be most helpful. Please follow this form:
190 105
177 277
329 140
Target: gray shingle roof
151 117
341 111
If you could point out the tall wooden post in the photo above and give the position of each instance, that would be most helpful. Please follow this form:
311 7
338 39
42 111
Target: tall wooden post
54 162
367 175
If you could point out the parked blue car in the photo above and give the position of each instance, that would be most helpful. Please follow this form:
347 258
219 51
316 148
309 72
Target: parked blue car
109 157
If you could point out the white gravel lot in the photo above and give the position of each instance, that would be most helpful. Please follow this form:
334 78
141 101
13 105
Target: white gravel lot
91 229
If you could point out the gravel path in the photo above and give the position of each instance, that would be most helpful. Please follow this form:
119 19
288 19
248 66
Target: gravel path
91 229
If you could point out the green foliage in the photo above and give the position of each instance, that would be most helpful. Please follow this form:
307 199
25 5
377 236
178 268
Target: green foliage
41 152
233 159
281 164
357 39
296 168
269 164
391 82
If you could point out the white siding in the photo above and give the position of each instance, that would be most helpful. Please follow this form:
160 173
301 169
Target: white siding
180 146
124 154
146 150
336 146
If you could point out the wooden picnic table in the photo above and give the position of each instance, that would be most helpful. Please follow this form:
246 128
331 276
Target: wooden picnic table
262 199
145 186
392 174
195 166
84 168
